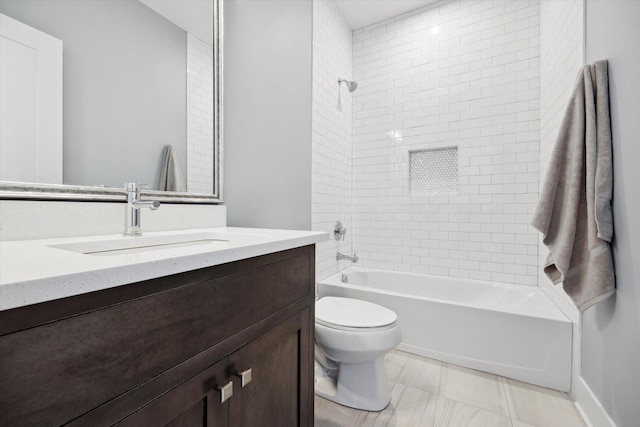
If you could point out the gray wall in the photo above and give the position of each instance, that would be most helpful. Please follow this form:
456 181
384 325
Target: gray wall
267 113
124 86
611 329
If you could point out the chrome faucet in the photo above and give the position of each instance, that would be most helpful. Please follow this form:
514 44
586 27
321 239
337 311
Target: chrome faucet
353 258
132 210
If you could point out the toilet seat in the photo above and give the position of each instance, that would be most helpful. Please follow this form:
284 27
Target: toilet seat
351 314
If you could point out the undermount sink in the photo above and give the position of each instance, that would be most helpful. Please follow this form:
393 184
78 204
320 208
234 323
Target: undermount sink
128 245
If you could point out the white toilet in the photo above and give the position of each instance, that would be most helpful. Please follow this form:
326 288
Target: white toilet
352 339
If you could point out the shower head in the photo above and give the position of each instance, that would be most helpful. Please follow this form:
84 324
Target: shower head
351 85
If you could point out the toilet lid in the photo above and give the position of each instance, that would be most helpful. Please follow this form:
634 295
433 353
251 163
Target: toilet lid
352 313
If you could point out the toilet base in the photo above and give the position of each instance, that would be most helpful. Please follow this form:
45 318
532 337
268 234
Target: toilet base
357 385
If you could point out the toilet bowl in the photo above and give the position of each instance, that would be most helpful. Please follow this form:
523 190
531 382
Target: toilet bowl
352 339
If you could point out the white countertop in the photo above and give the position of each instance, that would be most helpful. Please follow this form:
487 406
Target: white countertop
32 271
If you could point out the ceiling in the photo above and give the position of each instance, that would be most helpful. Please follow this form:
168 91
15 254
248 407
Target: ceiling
360 13
188 14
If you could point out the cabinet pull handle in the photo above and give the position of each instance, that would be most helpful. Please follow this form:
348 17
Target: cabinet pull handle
245 376
226 391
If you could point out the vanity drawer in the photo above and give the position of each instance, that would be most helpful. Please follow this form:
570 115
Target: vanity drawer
57 371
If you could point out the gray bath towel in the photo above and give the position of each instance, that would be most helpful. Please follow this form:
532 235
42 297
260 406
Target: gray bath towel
574 210
171 178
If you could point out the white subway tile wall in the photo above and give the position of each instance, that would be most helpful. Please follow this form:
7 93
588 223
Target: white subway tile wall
561 57
331 152
455 73
199 116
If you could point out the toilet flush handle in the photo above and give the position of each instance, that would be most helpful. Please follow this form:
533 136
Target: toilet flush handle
245 376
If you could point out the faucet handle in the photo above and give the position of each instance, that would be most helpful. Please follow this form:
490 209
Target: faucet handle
339 232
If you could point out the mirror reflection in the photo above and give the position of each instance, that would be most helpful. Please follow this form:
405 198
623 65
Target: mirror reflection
126 93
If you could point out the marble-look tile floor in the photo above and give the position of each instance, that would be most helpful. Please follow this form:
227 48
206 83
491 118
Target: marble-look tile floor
426 393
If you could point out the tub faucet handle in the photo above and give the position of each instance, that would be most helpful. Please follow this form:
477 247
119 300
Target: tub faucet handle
339 232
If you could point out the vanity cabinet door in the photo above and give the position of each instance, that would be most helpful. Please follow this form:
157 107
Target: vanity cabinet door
275 393
281 378
195 403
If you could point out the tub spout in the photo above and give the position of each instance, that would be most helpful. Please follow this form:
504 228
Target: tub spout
353 258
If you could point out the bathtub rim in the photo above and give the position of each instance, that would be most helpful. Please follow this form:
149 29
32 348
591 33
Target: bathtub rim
334 280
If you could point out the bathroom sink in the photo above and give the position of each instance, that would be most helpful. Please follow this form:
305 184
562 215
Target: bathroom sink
128 245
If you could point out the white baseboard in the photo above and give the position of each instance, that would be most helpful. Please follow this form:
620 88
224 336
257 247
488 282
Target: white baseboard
590 407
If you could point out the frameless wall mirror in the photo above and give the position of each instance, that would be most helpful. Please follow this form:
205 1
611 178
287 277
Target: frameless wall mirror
96 93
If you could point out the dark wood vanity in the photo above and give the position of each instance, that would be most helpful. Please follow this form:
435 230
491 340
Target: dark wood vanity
168 351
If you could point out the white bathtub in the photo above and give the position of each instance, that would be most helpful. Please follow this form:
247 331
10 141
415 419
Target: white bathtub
509 330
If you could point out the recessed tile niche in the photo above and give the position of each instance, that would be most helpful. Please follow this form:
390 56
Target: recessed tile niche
433 172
